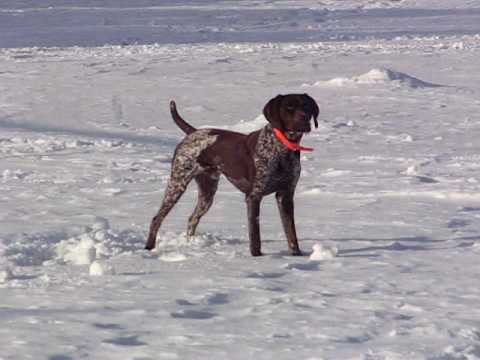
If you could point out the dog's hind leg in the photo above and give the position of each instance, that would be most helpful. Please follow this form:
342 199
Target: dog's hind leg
207 187
179 180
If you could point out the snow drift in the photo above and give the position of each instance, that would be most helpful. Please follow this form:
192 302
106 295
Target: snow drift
378 76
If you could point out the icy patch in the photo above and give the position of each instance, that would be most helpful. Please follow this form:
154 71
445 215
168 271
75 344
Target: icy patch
173 257
332 173
321 252
378 76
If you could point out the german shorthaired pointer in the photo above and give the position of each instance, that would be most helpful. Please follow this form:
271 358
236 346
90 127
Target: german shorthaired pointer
261 163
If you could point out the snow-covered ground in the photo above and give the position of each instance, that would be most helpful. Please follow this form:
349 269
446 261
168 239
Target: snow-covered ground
95 22
389 199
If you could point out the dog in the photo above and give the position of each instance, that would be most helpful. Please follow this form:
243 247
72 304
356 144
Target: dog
263 162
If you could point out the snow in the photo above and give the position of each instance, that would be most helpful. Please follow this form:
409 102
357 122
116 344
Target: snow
82 252
100 269
387 208
321 252
378 76
5 275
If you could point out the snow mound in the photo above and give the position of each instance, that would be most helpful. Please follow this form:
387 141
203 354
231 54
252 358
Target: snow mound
82 252
99 241
100 269
321 252
78 246
412 170
5 275
378 76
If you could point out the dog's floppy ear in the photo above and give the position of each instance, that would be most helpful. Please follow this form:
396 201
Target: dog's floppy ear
315 108
271 111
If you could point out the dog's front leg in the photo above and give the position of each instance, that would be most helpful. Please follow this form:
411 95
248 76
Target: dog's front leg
253 213
286 208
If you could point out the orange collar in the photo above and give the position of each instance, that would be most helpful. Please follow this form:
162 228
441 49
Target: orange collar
290 145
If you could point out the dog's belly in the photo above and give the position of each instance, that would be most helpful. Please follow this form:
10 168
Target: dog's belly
242 184
237 172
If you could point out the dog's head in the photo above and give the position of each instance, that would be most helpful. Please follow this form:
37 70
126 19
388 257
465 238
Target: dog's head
292 114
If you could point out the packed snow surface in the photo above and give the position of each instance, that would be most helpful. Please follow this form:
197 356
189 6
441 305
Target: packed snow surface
387 207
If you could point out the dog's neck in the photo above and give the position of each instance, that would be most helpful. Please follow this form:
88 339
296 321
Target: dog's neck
283 140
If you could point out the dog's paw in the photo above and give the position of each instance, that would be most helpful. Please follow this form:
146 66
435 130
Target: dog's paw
296 252
149 247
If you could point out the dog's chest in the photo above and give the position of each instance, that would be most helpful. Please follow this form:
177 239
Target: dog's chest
277 168
281 174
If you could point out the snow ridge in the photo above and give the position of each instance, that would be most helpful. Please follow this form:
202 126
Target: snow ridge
378 76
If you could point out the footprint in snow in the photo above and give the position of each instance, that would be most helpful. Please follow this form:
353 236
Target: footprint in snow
193 315
208 299
60 357
471 209
311 266
125 341
183 302
265 275
458 223
356 339
108 326
426 179
218 299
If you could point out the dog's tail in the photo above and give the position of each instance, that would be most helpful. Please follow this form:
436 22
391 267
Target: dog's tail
182 124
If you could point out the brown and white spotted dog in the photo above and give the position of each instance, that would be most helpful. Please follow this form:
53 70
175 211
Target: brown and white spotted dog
261 163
